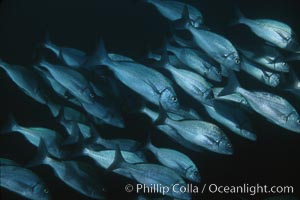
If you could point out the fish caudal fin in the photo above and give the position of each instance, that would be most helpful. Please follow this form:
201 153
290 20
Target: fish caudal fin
185 20
239 17
48 44
11 125
41 155
231 86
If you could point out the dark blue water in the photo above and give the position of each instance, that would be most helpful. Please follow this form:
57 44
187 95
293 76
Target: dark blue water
130 29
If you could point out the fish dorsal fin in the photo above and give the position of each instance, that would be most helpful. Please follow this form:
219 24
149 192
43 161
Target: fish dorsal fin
118 160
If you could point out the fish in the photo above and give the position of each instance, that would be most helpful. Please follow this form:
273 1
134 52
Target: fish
192 83
149 174
28 82
177 161
216 46
147 82
172 10
105 158
23 182
197 61
56 86
76 83
69 56
199 133
274 108
122 143
94 138
34 134
264 76
80 176
266 56
274 32
234 97
106 110
233 118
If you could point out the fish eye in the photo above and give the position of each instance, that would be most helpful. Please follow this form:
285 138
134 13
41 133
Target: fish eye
46 190
298 121
237 61
196 173
174 99
92 95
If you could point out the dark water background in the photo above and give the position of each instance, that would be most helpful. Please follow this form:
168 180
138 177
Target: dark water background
129 28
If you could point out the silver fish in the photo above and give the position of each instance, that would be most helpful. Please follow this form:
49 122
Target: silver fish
275 32
106 157
172 10
235 97
264 76
73 57
23 182
150 84
192 83
28 81
199 133
56 86
77 175
35 134
274 108
267 56
216 46
105 110
177 161
196 60
76 83
150 174
232 117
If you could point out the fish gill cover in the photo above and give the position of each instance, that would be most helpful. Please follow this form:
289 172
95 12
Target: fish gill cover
123 99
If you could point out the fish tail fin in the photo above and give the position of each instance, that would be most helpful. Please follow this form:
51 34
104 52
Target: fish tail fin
4 65
54 108
43 63
11 125
231 86
74 136
239 17
48 44
99 57
118 160
41 155
184 22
